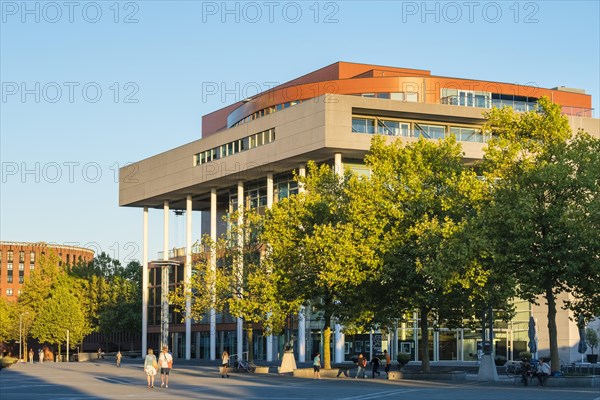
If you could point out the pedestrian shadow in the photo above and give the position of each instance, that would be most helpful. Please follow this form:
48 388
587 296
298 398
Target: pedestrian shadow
15 384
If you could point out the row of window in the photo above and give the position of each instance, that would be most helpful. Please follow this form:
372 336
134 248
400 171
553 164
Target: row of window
266 111
237 146
255 193
392 127
9 292
411 97
478 99
10 256
456 97
400 96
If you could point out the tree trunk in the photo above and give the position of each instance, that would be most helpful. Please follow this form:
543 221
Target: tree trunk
551 300
424 342
58 357
327 342
249 332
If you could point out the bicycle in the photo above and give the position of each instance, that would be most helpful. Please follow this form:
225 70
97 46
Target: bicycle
243 366
246 366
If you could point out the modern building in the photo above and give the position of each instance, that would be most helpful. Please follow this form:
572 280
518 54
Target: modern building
246 156
18 259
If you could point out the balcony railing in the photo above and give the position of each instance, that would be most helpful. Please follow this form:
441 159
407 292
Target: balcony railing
521 106
175 252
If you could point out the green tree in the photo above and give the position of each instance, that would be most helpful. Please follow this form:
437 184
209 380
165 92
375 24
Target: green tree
60 312
7 320
246 292
427 197
544 219
318 255
121 312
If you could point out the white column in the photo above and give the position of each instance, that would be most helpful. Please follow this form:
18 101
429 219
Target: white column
240 264
145 283
436 346
339 344
338 165
301 316
269 205
213 266
338 168
188 276
164 303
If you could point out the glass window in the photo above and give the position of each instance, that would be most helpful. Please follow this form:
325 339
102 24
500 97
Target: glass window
390 128
363 125
10 256
430 131
9 292
412 97
481 101
21 256
398 96
9 266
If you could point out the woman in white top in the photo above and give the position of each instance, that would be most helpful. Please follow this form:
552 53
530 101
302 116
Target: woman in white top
150 366
165 360
224 364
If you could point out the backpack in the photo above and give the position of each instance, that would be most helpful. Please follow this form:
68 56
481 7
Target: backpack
363 362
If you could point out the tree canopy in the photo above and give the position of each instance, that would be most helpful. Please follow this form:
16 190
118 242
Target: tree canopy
543 221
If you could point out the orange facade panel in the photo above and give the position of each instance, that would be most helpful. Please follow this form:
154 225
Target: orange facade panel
352 78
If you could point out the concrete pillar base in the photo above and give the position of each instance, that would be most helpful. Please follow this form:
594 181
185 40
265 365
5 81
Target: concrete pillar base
487 369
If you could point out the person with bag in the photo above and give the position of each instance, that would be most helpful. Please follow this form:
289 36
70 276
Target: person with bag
362 366
224 364
150 366
165 361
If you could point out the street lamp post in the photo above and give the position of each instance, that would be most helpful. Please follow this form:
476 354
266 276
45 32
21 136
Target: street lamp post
20 333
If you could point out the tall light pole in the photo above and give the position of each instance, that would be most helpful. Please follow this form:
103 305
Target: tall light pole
20 332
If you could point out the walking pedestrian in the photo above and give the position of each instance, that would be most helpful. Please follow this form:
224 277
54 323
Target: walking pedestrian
362 366
225 364
375 363
119 356
165 361
30 356
388 362
317 366
41 355
150 366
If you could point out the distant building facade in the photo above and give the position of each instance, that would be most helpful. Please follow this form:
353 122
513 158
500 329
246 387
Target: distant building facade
18 259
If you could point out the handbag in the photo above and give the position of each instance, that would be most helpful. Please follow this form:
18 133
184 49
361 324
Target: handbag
155 365
170 363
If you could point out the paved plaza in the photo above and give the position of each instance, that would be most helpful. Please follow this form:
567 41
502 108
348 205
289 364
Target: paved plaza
103 380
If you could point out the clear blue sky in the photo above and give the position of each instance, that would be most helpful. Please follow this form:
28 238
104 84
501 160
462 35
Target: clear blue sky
91 86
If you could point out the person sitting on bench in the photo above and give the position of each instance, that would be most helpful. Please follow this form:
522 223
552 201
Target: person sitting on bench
543 372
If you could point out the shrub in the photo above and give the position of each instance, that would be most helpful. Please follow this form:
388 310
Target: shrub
500 360
403 358
525 354
591 337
